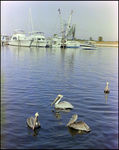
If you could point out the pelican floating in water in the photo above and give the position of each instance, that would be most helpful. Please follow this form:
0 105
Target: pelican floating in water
33 121
107 90
79 125
63 104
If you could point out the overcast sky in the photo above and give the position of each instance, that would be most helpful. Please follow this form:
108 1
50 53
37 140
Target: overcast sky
92 18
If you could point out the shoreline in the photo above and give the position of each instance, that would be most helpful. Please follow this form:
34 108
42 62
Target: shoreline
104 43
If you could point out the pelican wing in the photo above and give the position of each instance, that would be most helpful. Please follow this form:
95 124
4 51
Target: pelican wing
64 105
80 125
30 121
107 89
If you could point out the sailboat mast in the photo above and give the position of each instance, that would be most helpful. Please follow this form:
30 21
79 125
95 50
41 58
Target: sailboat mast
68 23
30 19
61 23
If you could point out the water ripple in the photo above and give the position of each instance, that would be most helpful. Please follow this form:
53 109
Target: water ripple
32 80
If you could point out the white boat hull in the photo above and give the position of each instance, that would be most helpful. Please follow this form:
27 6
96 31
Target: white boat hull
88 45
37 39
4 40
38 44
19 39
73 44
88 48
48 43
56 46
56 42
24 43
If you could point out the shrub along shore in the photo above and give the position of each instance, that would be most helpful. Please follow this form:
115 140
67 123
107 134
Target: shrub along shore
104 43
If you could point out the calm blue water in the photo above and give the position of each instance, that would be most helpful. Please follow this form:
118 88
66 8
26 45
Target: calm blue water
31 80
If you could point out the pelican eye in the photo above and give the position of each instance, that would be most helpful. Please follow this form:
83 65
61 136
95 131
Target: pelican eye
58 98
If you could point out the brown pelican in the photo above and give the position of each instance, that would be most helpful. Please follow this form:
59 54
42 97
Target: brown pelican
107 90
63 104
79 125
33 121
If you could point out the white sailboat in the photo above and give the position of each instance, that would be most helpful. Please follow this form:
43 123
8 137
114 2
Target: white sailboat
37 37
4 39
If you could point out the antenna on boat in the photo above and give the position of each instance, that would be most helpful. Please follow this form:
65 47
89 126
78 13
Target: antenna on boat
61 23
68 23
30 20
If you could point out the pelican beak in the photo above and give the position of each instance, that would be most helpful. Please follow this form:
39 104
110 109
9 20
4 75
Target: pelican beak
67 125
54 101
57 98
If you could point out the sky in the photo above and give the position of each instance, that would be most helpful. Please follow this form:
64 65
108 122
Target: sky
92 18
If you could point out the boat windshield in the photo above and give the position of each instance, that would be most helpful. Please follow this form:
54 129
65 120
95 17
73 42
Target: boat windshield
36 33
19 31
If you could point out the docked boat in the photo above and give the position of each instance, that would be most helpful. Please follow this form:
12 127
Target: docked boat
48 42
37 39
63 43
4 39
56 41
88 45
19 39
69 31
73 44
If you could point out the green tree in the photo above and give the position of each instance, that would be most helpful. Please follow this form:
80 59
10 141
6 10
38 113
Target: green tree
100 38
90 39
55 34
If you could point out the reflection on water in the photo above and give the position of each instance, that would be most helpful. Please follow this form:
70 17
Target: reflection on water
74 132
34 76
32 132
57 111
106 95
56 114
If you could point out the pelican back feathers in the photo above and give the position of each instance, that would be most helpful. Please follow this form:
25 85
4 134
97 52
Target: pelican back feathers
78 125
63 104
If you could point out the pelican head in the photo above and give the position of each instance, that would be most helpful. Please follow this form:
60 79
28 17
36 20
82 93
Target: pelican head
58 98
73 119
106 89
36 114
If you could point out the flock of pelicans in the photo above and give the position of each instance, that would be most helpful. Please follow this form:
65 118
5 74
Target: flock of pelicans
33 122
